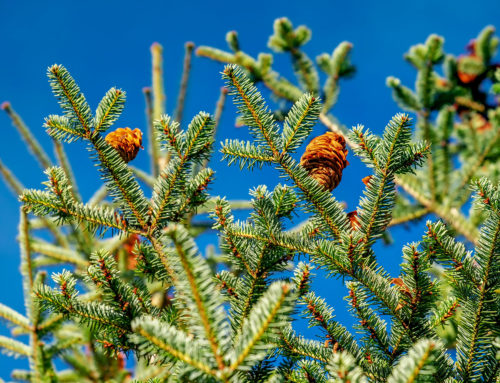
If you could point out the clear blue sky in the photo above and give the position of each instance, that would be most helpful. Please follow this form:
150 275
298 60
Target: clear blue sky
106 43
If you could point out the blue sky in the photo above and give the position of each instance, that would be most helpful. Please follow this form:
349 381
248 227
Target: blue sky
106 43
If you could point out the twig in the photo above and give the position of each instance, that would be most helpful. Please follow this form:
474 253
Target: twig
148 97
17 189
179 110
419 213
11 180
159 99
219 107
28 137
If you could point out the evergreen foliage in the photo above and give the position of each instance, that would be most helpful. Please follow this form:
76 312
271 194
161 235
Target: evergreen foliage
136 284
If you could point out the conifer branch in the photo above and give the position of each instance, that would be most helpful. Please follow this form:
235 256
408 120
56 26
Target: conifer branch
207 307
11 180
335 66
14 317
389 156
337 336
28 137
299 122
416 364
42 203
281 87
452 216
225 316
252 107
179 109
55 252
161 253
50 322
215 54
404 97
159 100
372 325
245 154
65 165
219 107
445 250
15 347
430 158
377 286
474 341
61 128
148 99
291 344
121 182
170 340
109 109
267 315
411 216
32 307
471 169
224 223
443 158
71 99
189 147
445 311
27 269
343 369
286 241
98 316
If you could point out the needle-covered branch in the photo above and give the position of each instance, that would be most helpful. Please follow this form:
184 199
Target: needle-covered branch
140 286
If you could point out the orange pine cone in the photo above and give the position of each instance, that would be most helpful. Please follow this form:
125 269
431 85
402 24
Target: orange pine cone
325 159
126 141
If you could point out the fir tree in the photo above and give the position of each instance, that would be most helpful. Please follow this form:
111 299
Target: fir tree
137 285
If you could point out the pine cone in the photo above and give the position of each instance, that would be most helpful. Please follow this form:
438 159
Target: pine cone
325 159
126 141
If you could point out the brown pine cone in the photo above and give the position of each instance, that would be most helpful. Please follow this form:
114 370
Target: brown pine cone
126 141
325 159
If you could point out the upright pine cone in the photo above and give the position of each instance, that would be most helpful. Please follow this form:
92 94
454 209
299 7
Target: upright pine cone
325 159
126 141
